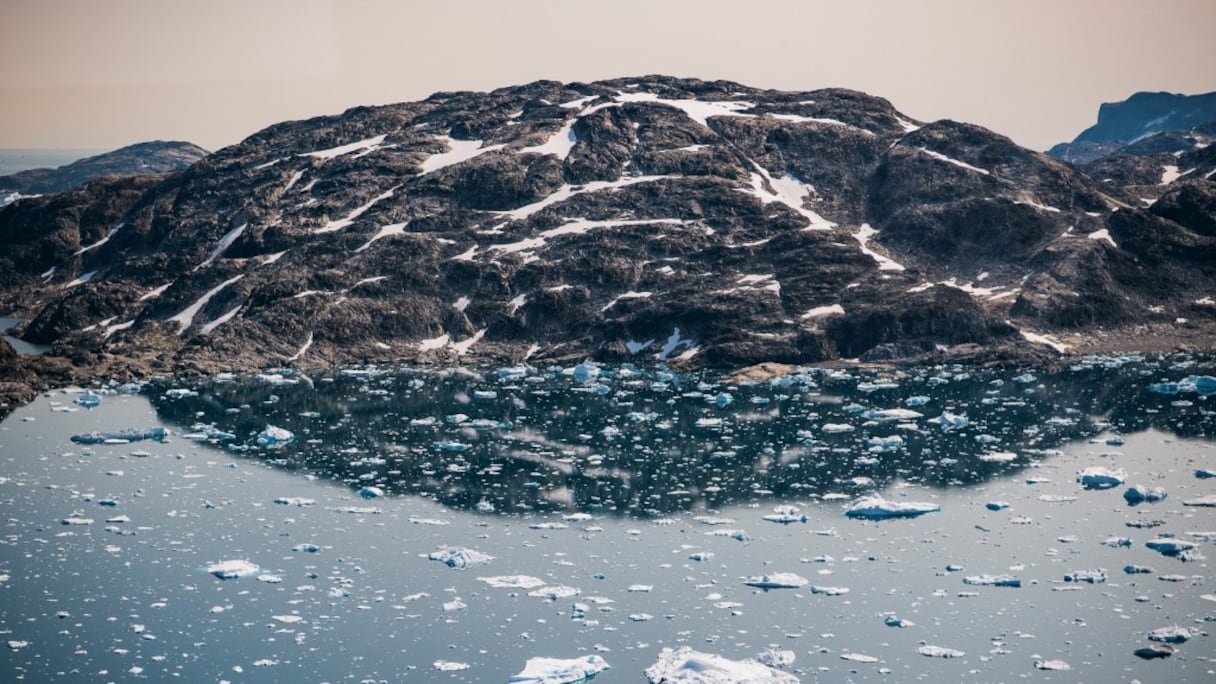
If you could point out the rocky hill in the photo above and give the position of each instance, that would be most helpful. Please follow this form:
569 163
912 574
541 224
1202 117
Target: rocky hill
132 160
1144 123
654 220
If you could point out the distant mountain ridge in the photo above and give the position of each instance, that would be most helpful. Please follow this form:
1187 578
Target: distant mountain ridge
650 219
1153 120
138 159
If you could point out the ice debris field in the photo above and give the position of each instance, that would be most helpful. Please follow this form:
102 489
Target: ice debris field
622 524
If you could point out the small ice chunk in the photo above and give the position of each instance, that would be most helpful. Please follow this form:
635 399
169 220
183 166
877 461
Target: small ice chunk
1098 477
88 399
939 652
559 671
158 434
274 437
892 414
1207 501
686 666
858 657
997 505
829 591
513 581
1170 635
1139 494
786 514
459 557
449 666
1087 576
371 492
1168 546
1051 665
777 580
1154 651
555 592
992 581
233 569
952 421
878 508
295 501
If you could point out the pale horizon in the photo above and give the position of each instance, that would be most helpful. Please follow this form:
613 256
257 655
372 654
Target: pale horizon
106 75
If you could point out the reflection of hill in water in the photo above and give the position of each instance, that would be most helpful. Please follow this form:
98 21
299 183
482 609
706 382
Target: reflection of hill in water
548 442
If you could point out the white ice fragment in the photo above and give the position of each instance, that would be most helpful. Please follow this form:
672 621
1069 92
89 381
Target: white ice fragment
449 666
777 580
273 437
233 569
878 508
513 582
939 652
993 581
1051 665
1098 477
460 557
686 666
1170 635
559 671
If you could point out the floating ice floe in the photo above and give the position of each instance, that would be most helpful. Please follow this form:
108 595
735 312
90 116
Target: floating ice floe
158 434
1208 501
554 593
1140 494
459 557
1051 665
1168 546
295 501
775 658
513 581
1137 569
950 421
1087 576
273 437
893 621
1098 477
559 671
686 666
885 415
1170 635
939 652
997 505
878 508
992 581
233 569
371 492
829 591
786 514
1202 385
858 657
449 666
777 580
1154 651
88 399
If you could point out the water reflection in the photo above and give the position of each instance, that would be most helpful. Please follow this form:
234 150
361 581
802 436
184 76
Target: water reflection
652 443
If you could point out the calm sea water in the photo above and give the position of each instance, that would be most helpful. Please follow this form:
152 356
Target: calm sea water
14 160
635 500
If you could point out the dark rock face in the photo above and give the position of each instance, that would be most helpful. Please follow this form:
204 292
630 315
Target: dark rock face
133 160
1145 123
649 220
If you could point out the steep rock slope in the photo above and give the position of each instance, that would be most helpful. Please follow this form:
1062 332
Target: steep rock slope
651 219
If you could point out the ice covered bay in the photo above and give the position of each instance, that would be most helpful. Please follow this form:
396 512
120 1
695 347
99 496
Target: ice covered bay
592 501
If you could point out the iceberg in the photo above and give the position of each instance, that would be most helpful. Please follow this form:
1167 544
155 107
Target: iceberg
1170 635
951 421
878 508
777 580
1087 576
371 492
785 514
891 414
1208 501
88 399
559 671
1154 651
158 434
233 569
686 666
1098 477
460 557
274 437
1139 494
1167 546
939 652
992 581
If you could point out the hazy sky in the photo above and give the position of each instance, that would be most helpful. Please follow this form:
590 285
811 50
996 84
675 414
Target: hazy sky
101 74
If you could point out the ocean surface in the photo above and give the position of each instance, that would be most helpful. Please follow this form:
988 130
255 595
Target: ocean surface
424 525
13 160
